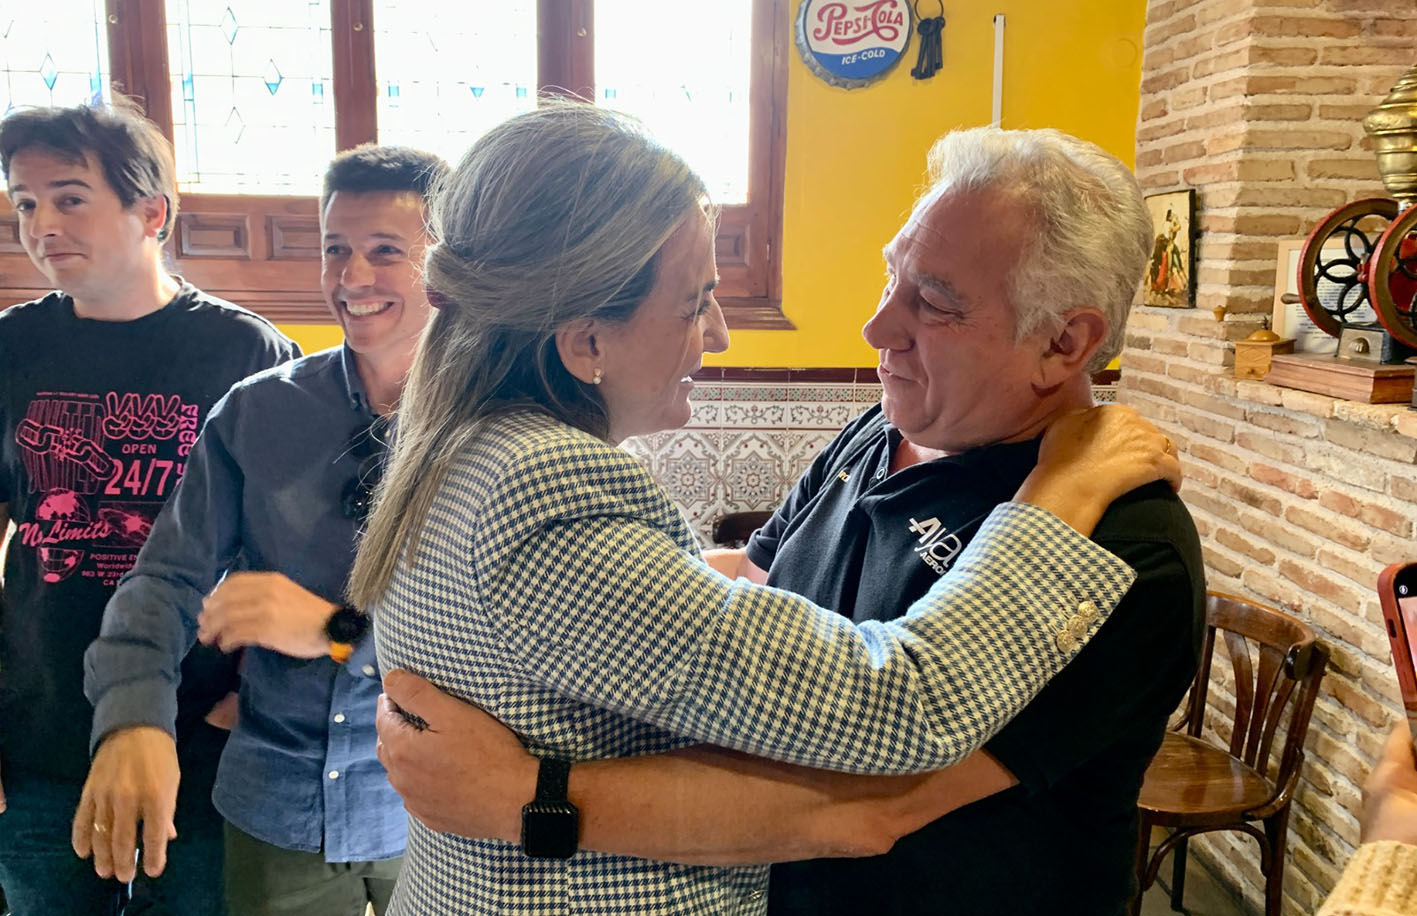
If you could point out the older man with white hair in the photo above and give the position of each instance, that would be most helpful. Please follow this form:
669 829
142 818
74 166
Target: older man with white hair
1010 282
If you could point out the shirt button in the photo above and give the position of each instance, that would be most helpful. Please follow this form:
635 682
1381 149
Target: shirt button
339 717
368 670
334 774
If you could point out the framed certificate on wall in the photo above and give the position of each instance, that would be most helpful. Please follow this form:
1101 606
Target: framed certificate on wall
1288 318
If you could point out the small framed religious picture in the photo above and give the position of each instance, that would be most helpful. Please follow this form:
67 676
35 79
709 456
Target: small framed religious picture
1170 273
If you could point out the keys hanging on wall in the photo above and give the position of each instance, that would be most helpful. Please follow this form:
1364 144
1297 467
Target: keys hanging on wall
931 56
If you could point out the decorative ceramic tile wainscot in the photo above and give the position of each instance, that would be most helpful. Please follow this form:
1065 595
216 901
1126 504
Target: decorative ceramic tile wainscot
753 433
748 441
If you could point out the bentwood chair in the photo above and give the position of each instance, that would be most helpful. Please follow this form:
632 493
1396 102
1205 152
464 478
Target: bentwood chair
734 529
1194 787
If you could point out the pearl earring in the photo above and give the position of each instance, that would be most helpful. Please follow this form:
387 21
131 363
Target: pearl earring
598 376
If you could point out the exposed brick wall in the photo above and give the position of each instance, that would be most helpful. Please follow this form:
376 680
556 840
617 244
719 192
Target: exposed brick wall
1300 499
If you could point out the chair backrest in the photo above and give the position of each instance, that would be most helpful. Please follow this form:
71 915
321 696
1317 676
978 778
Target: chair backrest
735 528
1285 679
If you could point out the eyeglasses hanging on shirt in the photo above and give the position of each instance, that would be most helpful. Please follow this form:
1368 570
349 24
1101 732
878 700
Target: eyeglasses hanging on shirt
369 445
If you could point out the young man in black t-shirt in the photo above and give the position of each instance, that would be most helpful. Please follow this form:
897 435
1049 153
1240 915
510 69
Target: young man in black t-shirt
104 385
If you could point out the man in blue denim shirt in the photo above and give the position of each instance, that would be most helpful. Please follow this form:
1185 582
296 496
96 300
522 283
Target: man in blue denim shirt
275 490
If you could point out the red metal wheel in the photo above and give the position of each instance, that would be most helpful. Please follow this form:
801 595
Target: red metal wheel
1392 278
1333 268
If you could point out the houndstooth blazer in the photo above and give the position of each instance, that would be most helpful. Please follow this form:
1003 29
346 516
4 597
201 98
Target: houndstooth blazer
558 587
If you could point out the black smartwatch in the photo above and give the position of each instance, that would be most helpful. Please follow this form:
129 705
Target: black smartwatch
345 627
551 825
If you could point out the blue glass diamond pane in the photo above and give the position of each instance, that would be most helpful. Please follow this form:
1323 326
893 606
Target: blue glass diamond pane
249 77
229 26
272 76
53 52
48 72
235 126
457 67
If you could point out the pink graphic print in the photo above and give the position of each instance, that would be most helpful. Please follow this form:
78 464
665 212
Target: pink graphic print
62 518
124 449
134 417
61 443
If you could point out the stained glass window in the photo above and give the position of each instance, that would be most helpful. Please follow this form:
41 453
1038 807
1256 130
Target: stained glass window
252 94
56 55
446 72
685 73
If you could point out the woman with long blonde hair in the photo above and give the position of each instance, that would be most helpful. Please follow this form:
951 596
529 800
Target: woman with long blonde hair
522 562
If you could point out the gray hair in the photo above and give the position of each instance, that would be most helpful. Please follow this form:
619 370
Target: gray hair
552 216
1092 235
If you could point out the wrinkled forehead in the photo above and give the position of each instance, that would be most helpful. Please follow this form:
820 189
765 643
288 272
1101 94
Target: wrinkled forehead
932 227
966 246
1000 217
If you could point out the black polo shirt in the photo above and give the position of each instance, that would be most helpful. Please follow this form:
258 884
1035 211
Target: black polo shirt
856 538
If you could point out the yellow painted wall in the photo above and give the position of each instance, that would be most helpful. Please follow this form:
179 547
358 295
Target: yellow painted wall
313 337
855 158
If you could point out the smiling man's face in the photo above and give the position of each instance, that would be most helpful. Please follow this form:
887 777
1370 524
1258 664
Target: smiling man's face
371 268
953 375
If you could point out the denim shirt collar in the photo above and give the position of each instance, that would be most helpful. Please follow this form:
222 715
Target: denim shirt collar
353 384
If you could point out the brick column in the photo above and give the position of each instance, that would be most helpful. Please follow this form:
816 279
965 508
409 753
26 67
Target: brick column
1300 498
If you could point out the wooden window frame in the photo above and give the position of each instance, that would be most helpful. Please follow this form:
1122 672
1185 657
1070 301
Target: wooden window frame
263 251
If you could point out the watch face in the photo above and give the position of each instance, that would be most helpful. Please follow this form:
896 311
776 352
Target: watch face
550 829
346 625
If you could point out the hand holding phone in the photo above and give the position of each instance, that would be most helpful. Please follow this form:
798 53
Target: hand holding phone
1397 590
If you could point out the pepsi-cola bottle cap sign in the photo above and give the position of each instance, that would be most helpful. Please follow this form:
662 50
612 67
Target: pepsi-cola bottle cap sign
853 44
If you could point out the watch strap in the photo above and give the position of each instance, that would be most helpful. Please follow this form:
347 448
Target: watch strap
550 822
553 777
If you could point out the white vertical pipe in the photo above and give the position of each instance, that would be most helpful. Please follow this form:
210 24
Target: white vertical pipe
998 68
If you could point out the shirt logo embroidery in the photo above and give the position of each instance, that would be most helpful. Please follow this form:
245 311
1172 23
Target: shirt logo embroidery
937 546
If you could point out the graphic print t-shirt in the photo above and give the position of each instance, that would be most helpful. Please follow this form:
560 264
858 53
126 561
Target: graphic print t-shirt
96 421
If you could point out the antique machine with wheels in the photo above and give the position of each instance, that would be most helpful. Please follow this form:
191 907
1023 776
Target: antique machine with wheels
1392 279
1358 270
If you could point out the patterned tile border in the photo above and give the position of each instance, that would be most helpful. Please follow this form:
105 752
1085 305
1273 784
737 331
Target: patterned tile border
794 376
747 442
752 433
